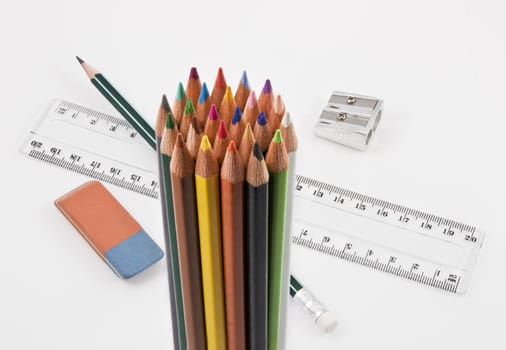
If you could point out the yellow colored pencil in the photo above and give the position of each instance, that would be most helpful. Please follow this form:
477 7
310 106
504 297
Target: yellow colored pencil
208 212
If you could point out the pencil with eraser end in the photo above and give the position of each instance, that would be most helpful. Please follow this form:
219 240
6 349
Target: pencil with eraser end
323 318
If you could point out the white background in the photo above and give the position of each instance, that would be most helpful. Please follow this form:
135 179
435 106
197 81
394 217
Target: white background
438 65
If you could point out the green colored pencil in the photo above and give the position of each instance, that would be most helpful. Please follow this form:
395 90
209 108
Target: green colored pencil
119 102
291 143
277 164
166 147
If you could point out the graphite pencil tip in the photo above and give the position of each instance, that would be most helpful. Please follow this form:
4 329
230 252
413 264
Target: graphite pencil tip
205 145
244 79
222 130
267 89
237 116
194 74
189 108
204 93
165 103
213 113
257 152
169 124
180 94
80 60
262 119
220 79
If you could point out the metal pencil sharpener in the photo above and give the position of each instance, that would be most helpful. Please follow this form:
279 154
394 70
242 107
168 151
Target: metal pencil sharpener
349 119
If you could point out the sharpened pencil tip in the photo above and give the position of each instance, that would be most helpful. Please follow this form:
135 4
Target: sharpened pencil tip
169 124
257 152
220 79
180 94
205 145
222 130
262 119
195 125
231 146
237 116
244 79
252 100
229 96
179 141
79 59
278 137
189 108
213 113
194 74
287 120
204 93
165 103
267 89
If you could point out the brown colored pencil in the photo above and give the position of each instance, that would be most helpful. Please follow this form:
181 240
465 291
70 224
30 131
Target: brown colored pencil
193 86
251 110
212 124
262 132
246 145
185 212
189 112
194 138
237 126
221 142
179 103
220 85
227 107
243 91
232 221
203 106
266 98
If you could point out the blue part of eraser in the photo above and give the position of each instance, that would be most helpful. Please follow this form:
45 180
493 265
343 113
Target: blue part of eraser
133 255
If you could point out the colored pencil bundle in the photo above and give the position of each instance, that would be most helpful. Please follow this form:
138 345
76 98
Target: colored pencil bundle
226 213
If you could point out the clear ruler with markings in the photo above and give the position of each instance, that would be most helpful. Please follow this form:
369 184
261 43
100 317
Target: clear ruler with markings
395 239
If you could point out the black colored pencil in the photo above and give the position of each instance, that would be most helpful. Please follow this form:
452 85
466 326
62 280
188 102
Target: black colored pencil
257 268
119 102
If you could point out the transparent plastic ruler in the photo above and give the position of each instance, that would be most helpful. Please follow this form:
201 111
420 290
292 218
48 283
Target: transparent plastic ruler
395 239
94 144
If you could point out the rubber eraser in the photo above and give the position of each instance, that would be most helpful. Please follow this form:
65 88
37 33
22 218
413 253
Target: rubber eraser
109 228
327 322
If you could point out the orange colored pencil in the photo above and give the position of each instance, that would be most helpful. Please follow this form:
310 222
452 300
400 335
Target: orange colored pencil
220 85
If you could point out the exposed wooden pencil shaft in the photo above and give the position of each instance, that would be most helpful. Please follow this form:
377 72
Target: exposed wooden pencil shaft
185 212
194 138
256 251
246 145
208 211
221 143
232 215
193 86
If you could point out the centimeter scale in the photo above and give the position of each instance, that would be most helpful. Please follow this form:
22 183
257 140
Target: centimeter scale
395 239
